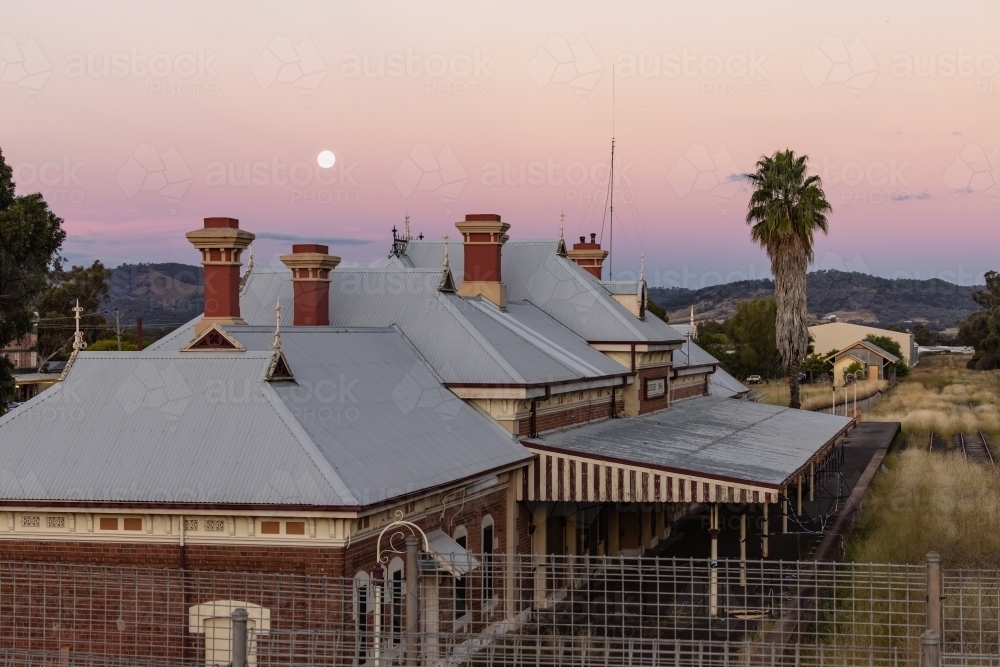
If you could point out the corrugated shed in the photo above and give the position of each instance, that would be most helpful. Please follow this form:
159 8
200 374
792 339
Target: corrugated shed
365 420
741 440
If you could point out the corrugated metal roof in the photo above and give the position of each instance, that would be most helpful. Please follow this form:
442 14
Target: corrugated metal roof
708 435
366 420
689 354
724 385
467 341
534 272
623 287
871 346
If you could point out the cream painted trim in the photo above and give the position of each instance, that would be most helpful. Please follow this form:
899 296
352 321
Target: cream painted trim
511 393
639 347
199 613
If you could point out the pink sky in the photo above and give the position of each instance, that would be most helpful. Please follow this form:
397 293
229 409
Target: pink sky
896 103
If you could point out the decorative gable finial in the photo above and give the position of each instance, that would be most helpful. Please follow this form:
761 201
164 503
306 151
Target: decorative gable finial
562 222
642 267
447 283
276 342
409 237
78 343
691 334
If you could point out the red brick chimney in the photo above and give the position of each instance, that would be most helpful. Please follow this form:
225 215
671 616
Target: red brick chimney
311 265
589 255
221 242
483 236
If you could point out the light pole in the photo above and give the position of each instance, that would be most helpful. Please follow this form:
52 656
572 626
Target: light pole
118 324
855 375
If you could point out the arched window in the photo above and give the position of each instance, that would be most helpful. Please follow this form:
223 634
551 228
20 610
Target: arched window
214 620
461 584
489 546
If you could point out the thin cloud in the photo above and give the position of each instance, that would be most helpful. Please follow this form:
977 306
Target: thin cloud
332 240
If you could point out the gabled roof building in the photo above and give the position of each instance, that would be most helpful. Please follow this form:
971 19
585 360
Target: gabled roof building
475 389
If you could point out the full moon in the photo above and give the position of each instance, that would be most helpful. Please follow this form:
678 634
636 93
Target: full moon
326 159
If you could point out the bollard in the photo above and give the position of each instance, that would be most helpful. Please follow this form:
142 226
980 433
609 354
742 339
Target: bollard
930 645
934 592
411 638
240 617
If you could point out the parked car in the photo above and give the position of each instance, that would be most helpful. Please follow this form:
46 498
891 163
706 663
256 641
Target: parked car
754 379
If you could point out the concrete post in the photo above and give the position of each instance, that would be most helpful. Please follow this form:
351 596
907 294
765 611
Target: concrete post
764 531
930 645
240 617
411 638
934 592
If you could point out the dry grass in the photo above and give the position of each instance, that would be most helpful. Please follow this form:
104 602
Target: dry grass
819 396
936 397
931 502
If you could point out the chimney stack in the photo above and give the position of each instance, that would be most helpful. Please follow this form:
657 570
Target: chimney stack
220 242
589 255
483 236
311 264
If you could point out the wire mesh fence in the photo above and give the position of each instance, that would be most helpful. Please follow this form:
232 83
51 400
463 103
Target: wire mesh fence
498 610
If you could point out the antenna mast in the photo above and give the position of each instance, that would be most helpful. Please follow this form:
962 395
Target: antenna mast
611 232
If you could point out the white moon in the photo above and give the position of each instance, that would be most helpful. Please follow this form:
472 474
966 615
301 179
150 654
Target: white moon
326 159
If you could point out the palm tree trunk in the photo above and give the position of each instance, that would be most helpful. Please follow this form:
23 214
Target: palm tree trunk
788 264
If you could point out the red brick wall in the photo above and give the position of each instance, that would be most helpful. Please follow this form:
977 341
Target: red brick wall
575 415
689 391
652 405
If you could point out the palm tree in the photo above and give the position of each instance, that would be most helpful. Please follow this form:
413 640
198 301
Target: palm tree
785 210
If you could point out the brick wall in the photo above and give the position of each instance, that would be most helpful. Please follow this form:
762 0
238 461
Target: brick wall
653 404
576 415
689 391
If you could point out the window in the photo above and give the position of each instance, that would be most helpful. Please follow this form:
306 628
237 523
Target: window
461 585
295 528
133 523
214 621
394 603
270 527
488 540
362 639
109 523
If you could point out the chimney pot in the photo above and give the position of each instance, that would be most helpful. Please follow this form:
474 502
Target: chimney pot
221 243
311 264
589 256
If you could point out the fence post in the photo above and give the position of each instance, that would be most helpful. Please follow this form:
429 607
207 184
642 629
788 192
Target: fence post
930 645
411 638
934 592
240 617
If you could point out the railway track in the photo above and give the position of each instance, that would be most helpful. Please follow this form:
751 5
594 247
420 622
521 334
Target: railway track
977 448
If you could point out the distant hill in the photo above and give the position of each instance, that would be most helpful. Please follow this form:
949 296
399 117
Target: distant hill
162 294
852 297
171 294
